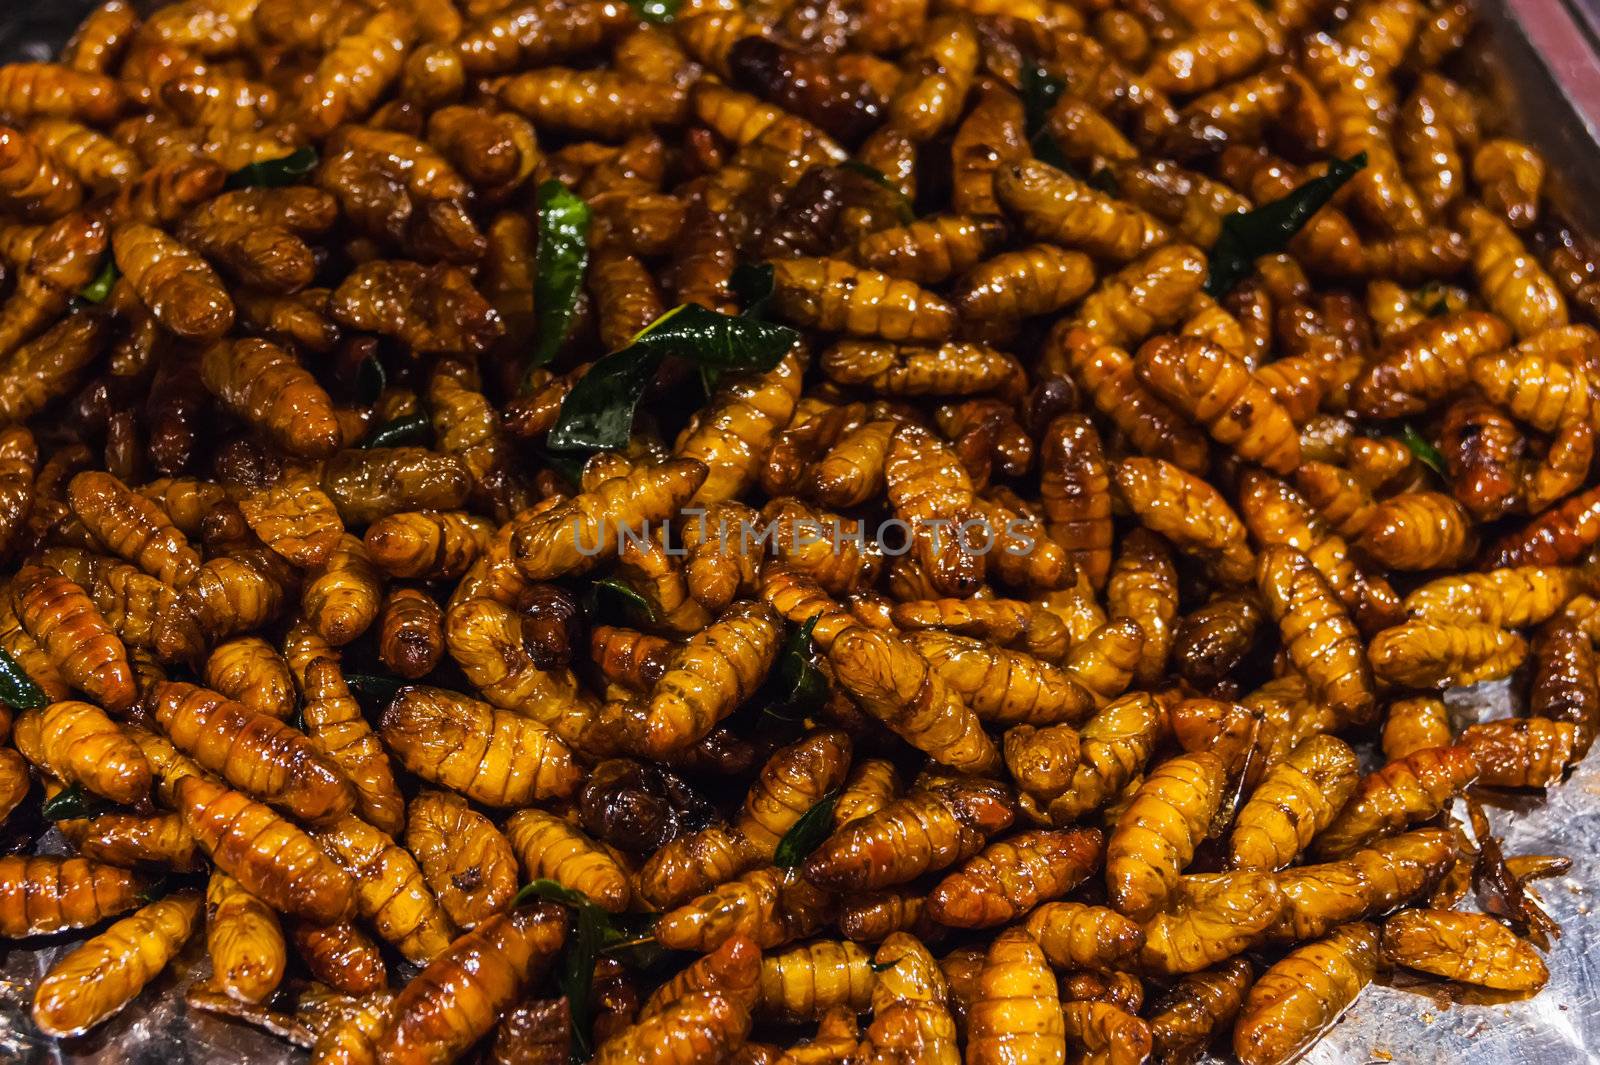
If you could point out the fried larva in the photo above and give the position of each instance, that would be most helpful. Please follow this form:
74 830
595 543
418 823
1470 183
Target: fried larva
469 864
1297 999
489 755
1011 877
103 975
1297 798
1401 793
79 744
1156 836
454 1001
244 940
1467 947
48 894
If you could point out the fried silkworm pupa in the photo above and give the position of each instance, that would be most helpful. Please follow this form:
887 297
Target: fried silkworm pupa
1300 997
248 670
103 975
1159 830
735 969
1296 799
1016 1014
1401 793
702 1026
1187 1017
61 618
468 863
80 744
1470 948
244 939
1010 877
808 980
455 1001
341 956
924 831
271 858
489 755
46 894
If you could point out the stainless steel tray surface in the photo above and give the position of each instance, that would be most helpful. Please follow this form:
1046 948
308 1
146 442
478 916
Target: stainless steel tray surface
1540 63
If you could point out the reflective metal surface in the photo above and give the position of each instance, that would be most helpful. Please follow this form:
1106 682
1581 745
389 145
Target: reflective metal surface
1538 60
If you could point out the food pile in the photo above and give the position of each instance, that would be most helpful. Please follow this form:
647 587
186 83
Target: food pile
856 531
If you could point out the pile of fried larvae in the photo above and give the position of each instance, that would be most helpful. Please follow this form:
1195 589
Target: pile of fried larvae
1269 368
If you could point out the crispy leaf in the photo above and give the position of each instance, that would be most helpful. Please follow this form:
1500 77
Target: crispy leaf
1267 230
73 802
883 966
598 412
411 429
902 206
99 290
17 689
1040 91
752 283
275 173
592 930
549 889
659 12
814 826
802 687
375 686
610 601
371 379
1425 452
726 341
561 259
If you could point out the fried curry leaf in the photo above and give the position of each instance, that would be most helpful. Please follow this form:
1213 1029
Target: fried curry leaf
598 412
611 600
72 803
801 687
560 261
1267 230
659 12
902 206
379 687
1425 452
99 290
17 689
592 930
1040 91
807 834
883 966
752 284
411 429
275 173
371 379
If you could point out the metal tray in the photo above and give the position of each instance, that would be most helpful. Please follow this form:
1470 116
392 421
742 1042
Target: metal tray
1539 64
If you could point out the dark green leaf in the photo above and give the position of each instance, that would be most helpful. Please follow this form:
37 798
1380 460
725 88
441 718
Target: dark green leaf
883 966
371 380
1425 452
726 341
410 429
554 892
801 687
902 205
561 259
153 891
1435 299
659 12
1267 230
568 466
99 290
377 686
577 976
598 413
752 284
17 689
1040 91
73 802
275 173
610 600
814 826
